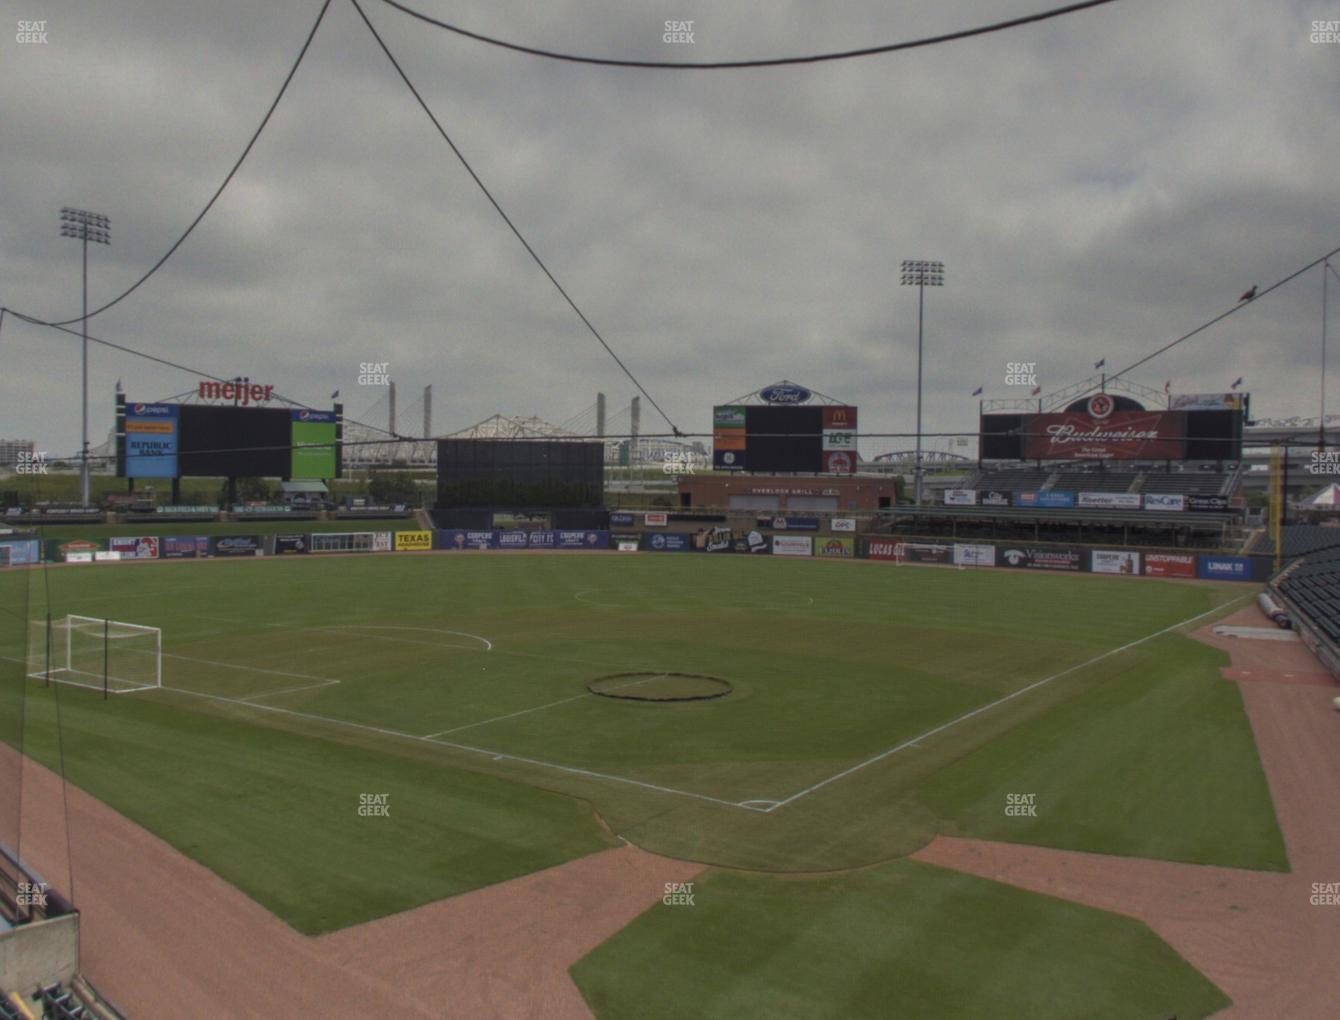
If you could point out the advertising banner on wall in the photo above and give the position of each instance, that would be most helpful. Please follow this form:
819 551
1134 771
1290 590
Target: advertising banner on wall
1114 561
60 550
139 548
1224 568
582 540
1048 500
927 552
313 440
1028 557
465 538
667 542
839 416
718 539
882 549
728 416
1110 500
292 545
151 441
728 460
995 497
839 439
1170 501
184 547
655 520
1116 435
621 519
513 540
839 462
975 555
413 541
836 548
236 545
1170 565
789 523
1205 402
960 497
792 545
22 551
842 524
1207 504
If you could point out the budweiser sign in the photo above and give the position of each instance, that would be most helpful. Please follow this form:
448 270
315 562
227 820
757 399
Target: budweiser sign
1121 435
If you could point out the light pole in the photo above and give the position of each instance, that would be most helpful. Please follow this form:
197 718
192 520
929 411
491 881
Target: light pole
84 226
921 274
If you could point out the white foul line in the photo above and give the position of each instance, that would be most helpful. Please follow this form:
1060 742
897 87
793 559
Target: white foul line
538 708
289 690
992 704
495 755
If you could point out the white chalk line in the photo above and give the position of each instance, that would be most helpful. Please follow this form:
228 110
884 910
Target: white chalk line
488 645
992 704
539 708
494 754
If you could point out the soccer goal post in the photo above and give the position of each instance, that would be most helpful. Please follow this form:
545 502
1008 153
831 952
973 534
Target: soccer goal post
87 651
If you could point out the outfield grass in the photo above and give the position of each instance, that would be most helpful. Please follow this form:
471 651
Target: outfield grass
277 814
1095 788
903 939
473 668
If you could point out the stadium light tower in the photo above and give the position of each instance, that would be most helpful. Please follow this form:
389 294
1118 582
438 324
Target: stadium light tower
84 226
921 274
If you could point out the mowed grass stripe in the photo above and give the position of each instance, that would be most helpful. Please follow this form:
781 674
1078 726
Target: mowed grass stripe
903 939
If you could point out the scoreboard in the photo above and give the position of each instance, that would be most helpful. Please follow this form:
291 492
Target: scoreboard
520 473
1108 427
771 438
226 441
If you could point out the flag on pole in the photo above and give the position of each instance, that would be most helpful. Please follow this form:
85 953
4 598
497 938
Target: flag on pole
1037 390
977 392
1167 387
1237 383
335 395
1099 364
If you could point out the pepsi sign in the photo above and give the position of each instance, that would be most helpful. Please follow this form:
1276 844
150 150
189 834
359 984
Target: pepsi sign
154 410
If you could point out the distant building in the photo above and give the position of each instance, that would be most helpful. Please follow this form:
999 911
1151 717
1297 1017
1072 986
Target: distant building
11 448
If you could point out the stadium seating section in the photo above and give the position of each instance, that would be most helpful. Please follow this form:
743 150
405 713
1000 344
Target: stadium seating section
1299 540
1095 479
1313 585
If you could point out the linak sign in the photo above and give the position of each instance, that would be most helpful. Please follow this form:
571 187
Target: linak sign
785 393
237 391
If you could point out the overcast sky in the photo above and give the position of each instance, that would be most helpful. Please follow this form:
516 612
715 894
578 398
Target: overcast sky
1095 185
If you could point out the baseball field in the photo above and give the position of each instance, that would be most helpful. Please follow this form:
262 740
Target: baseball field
345 738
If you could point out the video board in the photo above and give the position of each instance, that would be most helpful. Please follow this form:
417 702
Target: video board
1103 427
784 438
520 473
226 441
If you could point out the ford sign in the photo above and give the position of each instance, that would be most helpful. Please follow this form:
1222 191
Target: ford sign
785 393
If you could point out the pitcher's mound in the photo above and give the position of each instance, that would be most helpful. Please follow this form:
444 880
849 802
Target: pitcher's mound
660 687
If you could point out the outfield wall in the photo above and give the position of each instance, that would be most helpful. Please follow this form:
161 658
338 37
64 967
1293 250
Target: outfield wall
795 538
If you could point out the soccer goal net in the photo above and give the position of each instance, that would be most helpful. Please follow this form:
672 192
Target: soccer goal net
106 655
